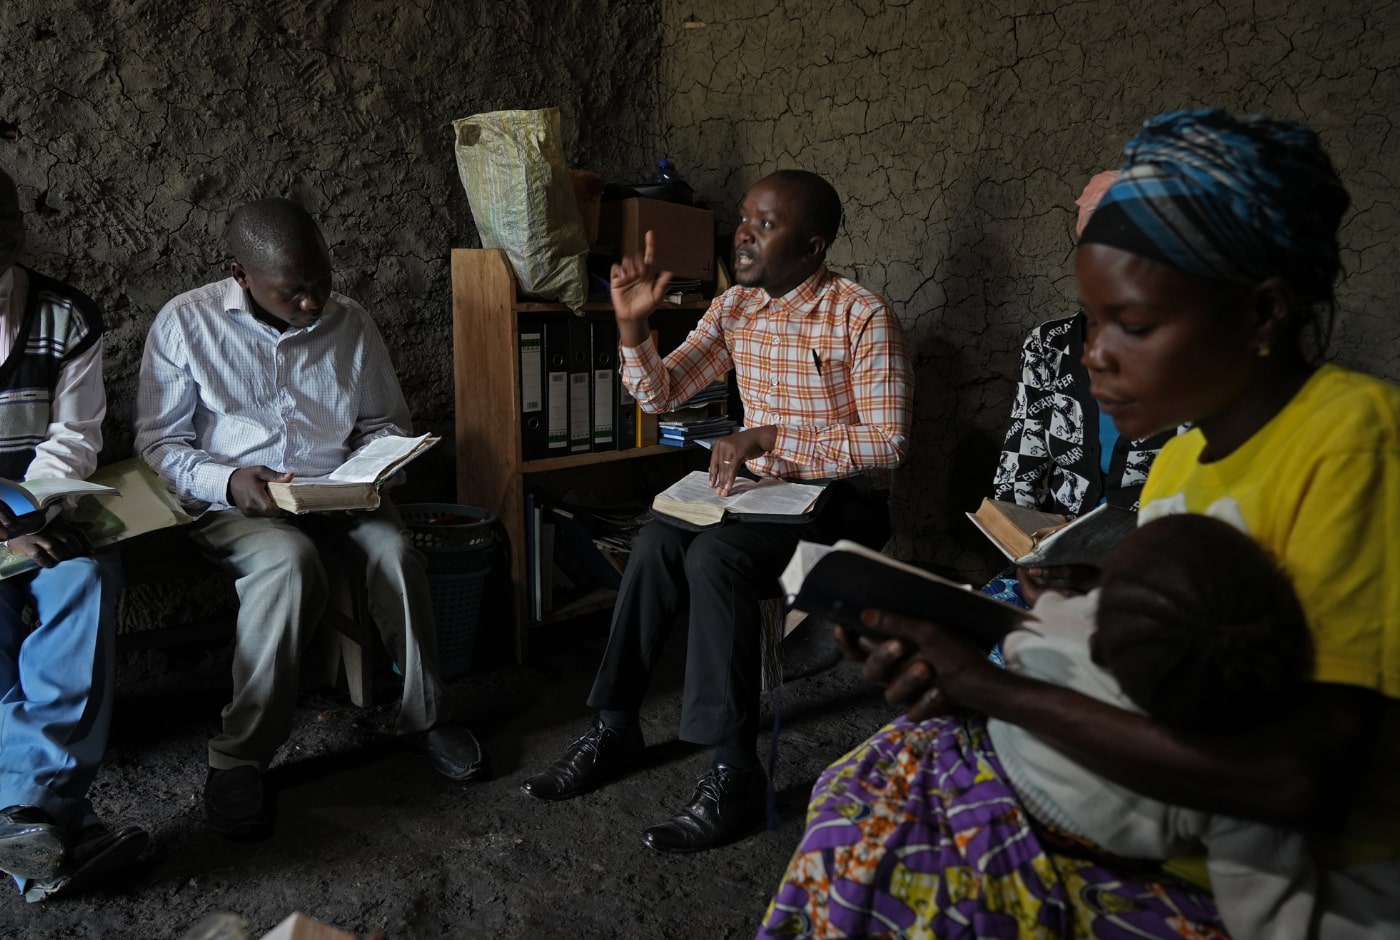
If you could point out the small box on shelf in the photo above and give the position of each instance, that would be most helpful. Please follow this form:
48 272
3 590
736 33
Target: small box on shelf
684 235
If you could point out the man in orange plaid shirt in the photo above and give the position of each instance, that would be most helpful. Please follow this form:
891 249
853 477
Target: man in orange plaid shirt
824 374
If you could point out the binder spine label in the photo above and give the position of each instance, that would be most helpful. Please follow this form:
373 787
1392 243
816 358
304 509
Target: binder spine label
558 410
531 372
579 430
603 413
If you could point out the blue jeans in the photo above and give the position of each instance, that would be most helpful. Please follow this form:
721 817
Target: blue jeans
57 683
1006 588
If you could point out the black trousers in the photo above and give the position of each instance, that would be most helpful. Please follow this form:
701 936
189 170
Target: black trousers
721 575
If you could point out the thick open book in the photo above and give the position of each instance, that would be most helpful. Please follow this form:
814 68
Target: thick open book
355 483
691 502
119 501
837 582
1030 537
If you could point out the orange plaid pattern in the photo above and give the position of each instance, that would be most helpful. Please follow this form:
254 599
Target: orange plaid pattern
826 363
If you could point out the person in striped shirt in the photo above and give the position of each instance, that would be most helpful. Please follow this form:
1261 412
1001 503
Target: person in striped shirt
824 375
57 679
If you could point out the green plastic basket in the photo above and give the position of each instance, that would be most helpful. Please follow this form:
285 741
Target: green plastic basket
458 542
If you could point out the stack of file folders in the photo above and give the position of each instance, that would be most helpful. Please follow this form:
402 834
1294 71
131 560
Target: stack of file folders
571 399
678 433
704 416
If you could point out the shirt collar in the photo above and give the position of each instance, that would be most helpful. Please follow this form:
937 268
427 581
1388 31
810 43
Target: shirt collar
799 300
236 300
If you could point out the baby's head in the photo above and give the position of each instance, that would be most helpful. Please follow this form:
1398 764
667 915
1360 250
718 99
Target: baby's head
1199 626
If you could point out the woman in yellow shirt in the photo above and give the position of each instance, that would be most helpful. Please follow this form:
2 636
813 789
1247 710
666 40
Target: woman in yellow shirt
1206 277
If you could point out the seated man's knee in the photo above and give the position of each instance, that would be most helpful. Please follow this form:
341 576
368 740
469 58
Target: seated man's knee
659 542
292 561
712 556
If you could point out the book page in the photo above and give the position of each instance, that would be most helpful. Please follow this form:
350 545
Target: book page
377 459
764 497
48 490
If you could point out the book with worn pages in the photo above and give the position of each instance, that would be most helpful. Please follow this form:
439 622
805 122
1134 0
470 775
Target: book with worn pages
1030 537
837 582
35 496
692 503
355 483
119 501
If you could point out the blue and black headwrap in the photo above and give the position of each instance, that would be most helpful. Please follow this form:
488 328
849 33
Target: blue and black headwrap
1232 198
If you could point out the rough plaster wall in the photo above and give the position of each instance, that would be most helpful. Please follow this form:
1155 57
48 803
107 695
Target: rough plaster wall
133 128
959 134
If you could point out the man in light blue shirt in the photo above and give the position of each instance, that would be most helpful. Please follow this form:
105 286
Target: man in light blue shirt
260 377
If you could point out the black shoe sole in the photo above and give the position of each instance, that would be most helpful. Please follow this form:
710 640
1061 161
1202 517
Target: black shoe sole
693 849
554 797
38 852
123 847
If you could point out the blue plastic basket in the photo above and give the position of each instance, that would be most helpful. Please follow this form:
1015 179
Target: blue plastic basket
458 542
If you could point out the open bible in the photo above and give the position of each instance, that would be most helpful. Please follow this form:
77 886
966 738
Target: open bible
692 503
355 483
119 501
1030 537
837 582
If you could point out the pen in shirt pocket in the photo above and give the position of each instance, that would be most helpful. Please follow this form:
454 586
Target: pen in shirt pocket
818 360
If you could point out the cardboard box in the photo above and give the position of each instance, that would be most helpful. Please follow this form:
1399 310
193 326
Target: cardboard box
685 235
300 927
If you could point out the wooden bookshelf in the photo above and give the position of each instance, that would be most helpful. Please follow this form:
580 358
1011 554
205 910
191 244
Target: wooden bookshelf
491 471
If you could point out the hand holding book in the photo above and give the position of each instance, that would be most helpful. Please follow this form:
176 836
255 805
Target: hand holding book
944 628
248 490
691 502
927 667
354 485
840 582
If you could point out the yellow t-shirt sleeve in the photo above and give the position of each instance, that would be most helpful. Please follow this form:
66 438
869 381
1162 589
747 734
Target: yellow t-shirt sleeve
1342 553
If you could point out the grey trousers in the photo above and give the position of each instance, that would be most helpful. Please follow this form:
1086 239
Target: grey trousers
279 566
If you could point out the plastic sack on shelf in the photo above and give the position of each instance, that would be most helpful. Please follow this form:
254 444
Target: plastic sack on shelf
512 167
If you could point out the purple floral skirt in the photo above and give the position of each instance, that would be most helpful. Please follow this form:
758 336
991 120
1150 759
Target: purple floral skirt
917 833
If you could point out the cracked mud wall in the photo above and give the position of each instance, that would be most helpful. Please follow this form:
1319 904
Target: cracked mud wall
959 134
134 127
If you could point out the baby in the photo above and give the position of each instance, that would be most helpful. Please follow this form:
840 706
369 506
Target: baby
1195 626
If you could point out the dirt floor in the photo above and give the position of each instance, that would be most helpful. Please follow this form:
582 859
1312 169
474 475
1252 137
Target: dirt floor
370 839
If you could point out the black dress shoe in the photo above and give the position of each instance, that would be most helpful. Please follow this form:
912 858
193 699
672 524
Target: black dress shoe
455 753
238 804
590 762
98 853
31 845
726 804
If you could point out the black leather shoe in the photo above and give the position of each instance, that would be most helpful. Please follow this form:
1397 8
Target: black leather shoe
455 753
238 804
591 761
98 853
726 804
31 846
